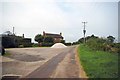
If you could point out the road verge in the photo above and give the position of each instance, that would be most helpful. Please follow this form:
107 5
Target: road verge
82 73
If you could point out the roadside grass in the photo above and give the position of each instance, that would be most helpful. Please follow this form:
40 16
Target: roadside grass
7 54
98 64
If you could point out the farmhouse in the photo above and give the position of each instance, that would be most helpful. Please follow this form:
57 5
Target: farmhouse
11 41
57 37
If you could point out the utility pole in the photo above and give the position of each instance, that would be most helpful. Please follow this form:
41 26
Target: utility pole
84 31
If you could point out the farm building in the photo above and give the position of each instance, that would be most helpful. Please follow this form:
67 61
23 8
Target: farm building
56 37
11 41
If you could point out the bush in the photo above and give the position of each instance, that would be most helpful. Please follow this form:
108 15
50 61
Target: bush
27 44
103 45
35 45
96 43
63 41
119 50
47 44
68 44
21 46
75 43
116 47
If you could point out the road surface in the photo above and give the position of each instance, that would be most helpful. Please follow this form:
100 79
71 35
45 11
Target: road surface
41 63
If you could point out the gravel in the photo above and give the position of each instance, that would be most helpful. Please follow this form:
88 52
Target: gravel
58 45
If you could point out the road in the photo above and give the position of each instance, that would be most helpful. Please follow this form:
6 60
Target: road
41 63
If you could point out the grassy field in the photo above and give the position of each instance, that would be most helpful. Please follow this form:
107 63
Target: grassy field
98 64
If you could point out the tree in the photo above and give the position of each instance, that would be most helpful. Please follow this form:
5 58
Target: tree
110 39
81 40
63 41
49 40
39 38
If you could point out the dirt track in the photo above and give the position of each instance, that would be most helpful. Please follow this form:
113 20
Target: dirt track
41 63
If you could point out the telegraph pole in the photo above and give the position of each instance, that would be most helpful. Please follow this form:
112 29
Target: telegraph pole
84 31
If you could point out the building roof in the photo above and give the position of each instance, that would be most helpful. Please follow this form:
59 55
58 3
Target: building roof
53 35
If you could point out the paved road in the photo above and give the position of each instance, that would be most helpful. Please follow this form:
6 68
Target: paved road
50 68
42 63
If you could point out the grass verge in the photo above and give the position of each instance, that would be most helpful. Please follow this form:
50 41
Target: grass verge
7 54
98 64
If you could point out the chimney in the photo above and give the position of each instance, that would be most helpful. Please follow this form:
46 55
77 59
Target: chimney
43 33
23 35
60 33
13 30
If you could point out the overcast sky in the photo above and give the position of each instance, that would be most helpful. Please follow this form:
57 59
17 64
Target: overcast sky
66 16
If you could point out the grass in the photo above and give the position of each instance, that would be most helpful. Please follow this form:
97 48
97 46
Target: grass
98 64
7 54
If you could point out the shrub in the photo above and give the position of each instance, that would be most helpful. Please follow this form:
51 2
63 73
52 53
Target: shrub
63 41
21 46
75 43
96 43
47 44
116 47
35 45
68 44
103 45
